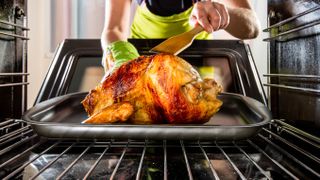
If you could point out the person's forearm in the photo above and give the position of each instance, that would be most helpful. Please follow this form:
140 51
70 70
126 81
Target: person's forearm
243 23
117 20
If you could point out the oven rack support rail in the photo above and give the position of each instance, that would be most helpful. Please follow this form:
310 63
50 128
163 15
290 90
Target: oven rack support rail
280 33
17 26
315 78
16 134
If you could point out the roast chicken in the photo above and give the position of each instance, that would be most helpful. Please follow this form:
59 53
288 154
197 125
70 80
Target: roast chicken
155 89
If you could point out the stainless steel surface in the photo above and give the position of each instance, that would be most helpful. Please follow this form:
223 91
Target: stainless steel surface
293 158
308 90
53 161
14 35
214 172
14 84
300 150
74 162
19 169
258 157
96 162
293 76
299 28
13 70
231 162
15 25
255 72
13 159
277 25
292 19
17 144
273 160
239 117
14 74
252 160
165 161
141 161
17 133
24 67
299 133
186 160
118 164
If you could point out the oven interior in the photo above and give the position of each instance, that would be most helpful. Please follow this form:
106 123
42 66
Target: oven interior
287 148
278 151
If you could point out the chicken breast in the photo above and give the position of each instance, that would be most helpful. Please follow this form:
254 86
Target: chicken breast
156 89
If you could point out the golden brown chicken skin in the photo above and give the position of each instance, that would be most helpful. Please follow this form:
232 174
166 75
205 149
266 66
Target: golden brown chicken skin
151 90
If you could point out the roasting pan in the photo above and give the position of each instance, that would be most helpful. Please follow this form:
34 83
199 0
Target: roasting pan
239 117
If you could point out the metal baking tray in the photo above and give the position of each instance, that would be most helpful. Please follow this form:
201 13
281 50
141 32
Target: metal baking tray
239 117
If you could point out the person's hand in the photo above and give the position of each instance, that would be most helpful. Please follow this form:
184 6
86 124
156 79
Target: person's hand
212 16
118 53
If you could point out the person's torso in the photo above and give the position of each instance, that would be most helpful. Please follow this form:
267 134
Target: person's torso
167 7
162 19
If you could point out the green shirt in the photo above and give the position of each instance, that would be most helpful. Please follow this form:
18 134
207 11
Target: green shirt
147 25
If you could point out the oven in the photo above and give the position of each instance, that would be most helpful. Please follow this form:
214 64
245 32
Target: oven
286 148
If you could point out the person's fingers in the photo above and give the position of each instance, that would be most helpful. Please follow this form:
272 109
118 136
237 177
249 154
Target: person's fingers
215 18
204 22
199 12
212 16
192 21
223 11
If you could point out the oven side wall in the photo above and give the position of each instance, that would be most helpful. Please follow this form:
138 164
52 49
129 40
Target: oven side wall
12 58
294 61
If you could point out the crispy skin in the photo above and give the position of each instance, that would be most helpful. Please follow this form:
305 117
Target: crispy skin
161 89
118 112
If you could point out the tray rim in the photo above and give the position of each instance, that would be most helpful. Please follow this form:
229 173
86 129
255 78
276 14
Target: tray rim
46 104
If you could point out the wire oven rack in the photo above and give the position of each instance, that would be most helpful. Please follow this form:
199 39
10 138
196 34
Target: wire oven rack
281 36
9 32
278 151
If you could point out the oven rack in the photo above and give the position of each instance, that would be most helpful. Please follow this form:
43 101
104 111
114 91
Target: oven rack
280 32
15 26
279 143
14 79
313 78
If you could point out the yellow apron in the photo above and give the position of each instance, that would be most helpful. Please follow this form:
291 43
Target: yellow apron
147 25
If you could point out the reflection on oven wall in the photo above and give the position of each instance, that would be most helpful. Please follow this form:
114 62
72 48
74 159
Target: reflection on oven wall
87 75
90 25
